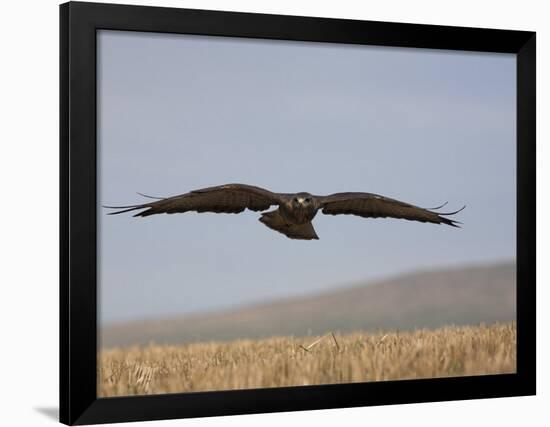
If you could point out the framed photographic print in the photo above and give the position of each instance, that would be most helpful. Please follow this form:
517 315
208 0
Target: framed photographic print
268 213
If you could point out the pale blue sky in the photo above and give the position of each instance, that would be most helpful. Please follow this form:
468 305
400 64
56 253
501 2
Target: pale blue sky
179 112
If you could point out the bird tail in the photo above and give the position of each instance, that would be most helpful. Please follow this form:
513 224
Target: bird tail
275 221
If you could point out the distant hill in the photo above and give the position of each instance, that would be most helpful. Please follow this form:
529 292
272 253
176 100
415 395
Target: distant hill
459 296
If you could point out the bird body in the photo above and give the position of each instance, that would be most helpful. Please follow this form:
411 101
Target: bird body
294 212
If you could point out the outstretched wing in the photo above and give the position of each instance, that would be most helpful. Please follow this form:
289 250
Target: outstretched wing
369 205
229 198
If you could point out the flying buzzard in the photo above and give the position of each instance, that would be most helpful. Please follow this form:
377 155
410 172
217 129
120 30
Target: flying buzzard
295 210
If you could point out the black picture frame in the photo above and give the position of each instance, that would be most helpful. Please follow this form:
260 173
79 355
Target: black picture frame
78 301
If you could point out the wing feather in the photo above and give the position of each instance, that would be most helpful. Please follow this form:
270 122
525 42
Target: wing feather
228 198
368 205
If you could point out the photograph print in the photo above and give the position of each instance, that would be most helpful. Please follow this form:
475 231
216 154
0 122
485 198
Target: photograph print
277 213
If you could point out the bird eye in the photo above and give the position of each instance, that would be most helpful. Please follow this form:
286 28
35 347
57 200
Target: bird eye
308 200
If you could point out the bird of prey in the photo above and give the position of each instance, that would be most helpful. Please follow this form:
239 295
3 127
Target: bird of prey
294 210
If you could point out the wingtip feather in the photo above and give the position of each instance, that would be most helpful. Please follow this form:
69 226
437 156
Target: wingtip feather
150 197
453 213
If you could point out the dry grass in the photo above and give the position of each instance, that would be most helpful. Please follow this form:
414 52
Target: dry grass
285 361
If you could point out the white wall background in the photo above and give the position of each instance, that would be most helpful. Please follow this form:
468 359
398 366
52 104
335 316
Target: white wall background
29 213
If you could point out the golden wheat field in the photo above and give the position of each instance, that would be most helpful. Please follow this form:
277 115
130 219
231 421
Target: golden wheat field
290 361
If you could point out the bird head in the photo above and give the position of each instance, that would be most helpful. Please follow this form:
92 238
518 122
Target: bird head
302 200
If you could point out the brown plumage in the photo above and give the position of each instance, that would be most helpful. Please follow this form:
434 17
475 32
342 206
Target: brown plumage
295 210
